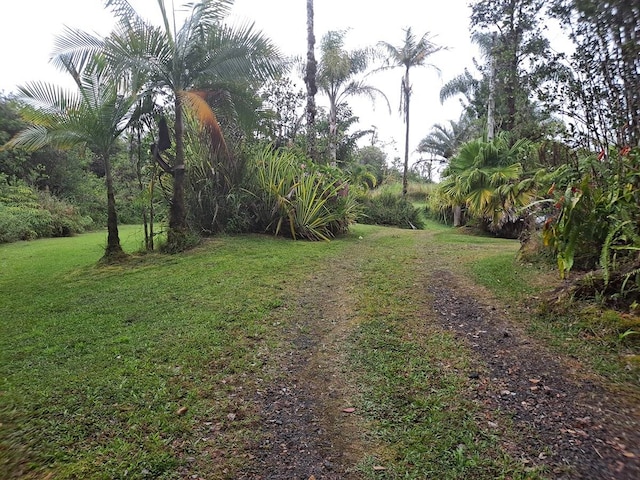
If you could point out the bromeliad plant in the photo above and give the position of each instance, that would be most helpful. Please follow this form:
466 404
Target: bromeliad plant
297 198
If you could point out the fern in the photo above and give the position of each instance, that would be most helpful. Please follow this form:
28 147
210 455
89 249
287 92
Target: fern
627 277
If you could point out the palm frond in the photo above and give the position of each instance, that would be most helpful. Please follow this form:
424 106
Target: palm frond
127 16
197 104
239 53
74 51
48 101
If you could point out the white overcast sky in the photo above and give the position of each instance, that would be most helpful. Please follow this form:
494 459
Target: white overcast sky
28 27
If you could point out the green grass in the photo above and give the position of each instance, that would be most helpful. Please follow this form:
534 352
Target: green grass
413 378
96 362
133 370
584 330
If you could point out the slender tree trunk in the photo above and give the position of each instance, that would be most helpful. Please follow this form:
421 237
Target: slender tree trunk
177 211
491 107
511 51
152 191
333 133
407 96
312 88
457 216
113 249
138 164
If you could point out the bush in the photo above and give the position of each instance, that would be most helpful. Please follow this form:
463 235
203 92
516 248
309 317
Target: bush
294 197
26 214
438 208
390 209
17 223
65 218
595 223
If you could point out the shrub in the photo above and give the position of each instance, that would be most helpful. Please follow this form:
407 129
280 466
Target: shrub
17 223
595 223
65 218
438 208
294 197
390 209
26 214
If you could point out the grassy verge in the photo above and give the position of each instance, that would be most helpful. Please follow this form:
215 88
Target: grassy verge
589 332
133 371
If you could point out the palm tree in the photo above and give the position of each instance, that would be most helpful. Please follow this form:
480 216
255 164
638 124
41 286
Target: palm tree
487 177
94 116
413 52
311 84
337 74
445 140
190 64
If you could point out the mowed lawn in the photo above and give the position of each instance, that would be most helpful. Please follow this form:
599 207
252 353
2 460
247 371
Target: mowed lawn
142 370
104 369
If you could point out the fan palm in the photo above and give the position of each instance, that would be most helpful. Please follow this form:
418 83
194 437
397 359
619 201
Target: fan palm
487 177
413 52
446 140
94 116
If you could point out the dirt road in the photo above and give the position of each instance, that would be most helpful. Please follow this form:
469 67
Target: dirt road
563 417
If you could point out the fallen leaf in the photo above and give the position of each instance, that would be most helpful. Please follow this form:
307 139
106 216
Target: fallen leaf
534 380
629 454
379 468
349 410
181 411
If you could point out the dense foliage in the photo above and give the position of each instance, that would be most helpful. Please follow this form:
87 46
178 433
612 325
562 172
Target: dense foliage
390 209
294 197
192 156
27 214
593 223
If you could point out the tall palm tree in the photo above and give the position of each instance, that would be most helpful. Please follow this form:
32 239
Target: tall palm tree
413 52
340 76
310 81
94 116
189 64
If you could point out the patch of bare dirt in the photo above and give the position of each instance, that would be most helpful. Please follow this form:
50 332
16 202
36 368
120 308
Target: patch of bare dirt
309 430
